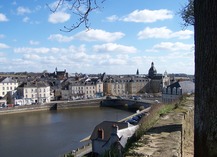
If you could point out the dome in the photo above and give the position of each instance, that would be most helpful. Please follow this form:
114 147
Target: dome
152 71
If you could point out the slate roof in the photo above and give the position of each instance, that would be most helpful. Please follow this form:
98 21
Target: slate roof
107 127
186 86
33 84
7 80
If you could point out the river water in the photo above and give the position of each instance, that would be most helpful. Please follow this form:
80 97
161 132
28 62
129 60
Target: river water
50 133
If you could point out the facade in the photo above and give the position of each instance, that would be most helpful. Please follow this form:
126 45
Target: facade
125 85
176 90
84 89
7 84
109 133
34 92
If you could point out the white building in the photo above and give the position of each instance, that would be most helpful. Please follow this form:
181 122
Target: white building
37 92
7 84
89 88
176 90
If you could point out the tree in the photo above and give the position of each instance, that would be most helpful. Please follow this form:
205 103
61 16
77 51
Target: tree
80 9
205 12
187 13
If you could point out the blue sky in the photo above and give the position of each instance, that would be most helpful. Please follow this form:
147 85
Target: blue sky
124 36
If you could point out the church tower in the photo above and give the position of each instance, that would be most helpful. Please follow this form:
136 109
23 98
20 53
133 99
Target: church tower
152 71
137 72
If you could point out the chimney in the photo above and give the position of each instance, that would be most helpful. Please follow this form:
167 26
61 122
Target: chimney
114 129
101 133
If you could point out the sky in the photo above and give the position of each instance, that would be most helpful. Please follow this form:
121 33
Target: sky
123 36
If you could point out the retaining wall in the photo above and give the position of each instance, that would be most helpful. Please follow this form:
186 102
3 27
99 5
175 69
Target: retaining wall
171 136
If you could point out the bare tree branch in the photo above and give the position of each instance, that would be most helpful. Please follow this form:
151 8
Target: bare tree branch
80 9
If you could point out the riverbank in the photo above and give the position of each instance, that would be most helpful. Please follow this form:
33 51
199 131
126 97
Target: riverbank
60 105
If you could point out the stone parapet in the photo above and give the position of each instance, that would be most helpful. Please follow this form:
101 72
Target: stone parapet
172 134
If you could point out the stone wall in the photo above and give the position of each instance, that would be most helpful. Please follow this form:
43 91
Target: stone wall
171 136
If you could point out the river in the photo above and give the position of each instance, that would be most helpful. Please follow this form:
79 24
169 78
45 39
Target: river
50 133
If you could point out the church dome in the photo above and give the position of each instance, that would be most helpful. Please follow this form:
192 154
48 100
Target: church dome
152 71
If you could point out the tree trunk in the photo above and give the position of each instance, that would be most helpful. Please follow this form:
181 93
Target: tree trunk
205 78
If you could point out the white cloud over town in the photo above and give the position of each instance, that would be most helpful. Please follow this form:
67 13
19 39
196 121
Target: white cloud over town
148 16
164 32
169 46
112 47
99 35
23 10
32 42
3 18
60 38
3 46
59 17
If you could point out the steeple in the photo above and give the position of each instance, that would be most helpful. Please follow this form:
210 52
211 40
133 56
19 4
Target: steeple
137 72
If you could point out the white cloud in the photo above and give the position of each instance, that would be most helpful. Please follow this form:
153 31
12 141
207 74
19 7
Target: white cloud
31 57
32 42
112 47
99 35
59 17
112 18
163 32
26 50
60 38
169 46
3 18
23 10
148 16
61 8
3 46
26 19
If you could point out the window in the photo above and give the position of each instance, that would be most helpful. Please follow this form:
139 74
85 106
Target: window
10 88
3 88
3 93
44 90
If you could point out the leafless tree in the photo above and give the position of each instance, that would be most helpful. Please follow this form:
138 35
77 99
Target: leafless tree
80 8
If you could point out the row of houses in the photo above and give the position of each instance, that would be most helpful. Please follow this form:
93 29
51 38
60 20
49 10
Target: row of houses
42 88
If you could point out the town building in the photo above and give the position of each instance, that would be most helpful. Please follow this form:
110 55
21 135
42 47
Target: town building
7 84
158 81
125 85
33 92
60 75
83 89
110 133
175 90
